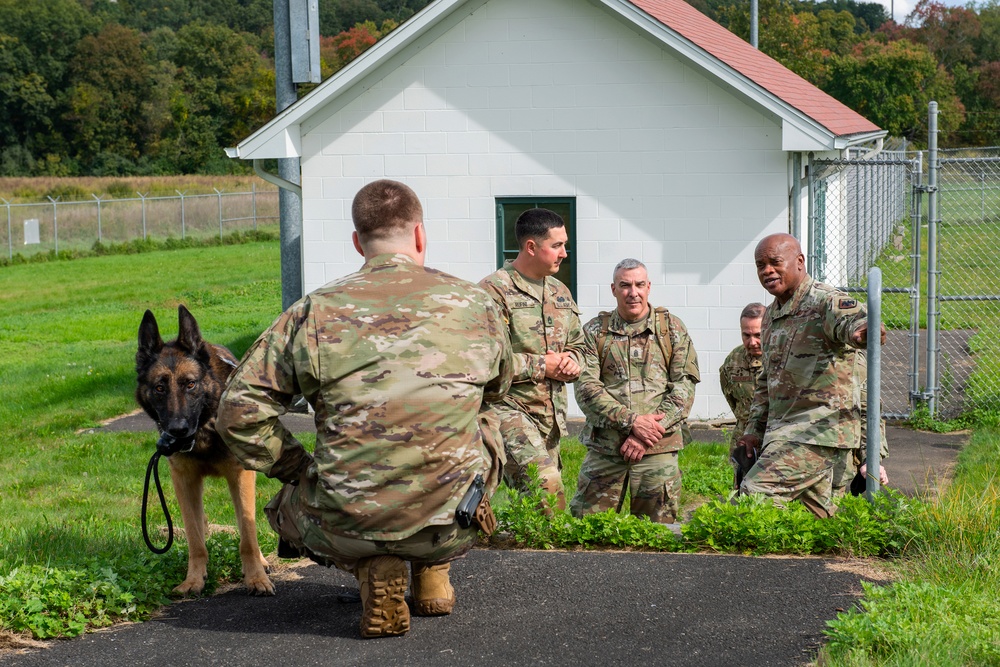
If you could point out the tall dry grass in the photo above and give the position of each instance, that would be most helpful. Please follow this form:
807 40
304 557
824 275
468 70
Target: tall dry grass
27 190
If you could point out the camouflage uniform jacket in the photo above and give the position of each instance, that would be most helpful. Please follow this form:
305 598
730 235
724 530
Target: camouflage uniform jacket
536 327
395 359
633 379
738 376
805 392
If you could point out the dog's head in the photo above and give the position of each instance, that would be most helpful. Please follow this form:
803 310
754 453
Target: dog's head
176 386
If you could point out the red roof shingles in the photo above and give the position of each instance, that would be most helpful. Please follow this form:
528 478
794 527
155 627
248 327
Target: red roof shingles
763 70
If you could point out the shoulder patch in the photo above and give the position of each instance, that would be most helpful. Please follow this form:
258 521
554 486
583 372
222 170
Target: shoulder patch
847 303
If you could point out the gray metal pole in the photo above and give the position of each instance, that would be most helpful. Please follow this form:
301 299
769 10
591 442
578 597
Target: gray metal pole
220 212
289 204
143 198
55 222
753 23
99 238
932 273
917 227
812 222
183 221
10 235
797 195
873 460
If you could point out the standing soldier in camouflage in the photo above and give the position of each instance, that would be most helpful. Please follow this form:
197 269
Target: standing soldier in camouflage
544 326
399 363
636 389
804 410
738 375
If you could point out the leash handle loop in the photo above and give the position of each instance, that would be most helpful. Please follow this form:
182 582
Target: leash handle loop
153 469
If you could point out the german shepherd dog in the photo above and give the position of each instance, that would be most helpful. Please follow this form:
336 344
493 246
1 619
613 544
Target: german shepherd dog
179 386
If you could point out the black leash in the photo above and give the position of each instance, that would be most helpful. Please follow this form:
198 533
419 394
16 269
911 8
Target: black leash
154 469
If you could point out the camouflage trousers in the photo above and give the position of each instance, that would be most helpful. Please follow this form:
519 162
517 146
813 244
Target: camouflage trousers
431 545
525 444
654 484
792 471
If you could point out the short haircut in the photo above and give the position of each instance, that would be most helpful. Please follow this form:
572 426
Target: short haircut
535 223
383 209
627 264
753 311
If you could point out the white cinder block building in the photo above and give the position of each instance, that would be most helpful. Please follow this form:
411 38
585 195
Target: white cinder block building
656 133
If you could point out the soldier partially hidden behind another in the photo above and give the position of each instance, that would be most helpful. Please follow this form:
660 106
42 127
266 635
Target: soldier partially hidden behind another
399 363
738 375
804 409
544 327
636 389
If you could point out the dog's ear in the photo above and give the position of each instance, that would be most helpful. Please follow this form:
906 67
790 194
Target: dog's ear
150 342
188 334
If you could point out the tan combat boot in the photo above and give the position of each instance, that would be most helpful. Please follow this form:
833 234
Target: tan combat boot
383 589
432 591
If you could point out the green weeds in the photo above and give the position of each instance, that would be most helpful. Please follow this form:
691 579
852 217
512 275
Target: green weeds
747 525
945 610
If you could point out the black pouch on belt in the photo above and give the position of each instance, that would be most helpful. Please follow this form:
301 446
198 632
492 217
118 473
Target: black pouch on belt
475 508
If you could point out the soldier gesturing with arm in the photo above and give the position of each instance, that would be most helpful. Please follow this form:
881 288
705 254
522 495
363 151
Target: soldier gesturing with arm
803 411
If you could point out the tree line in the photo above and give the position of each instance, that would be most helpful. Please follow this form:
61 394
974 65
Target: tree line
148 87
884 70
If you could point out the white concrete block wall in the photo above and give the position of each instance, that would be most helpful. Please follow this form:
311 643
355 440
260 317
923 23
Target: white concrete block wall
560 98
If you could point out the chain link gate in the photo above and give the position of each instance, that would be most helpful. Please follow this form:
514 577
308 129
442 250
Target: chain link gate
968 286
863 213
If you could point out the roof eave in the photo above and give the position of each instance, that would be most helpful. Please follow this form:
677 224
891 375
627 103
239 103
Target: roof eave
859 138
800 132
799 138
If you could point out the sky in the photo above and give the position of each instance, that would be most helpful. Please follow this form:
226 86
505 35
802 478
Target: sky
901 8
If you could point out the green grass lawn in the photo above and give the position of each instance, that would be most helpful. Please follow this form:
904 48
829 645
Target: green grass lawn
67 358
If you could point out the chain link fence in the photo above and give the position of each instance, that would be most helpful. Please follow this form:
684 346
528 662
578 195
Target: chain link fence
968 284
61 226
863 213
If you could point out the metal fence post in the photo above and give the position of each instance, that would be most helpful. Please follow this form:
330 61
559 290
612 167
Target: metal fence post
143 198
874 382
183 223
932 272
253 199
10 235
98 216
220 213
916 211
55 223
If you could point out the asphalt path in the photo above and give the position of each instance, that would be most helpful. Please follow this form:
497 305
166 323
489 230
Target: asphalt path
525 607
514 608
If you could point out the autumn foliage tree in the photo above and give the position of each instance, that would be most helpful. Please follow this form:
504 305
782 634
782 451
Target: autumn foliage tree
892 83
337 51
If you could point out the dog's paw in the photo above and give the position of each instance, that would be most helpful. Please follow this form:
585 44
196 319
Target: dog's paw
259 585
190 587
